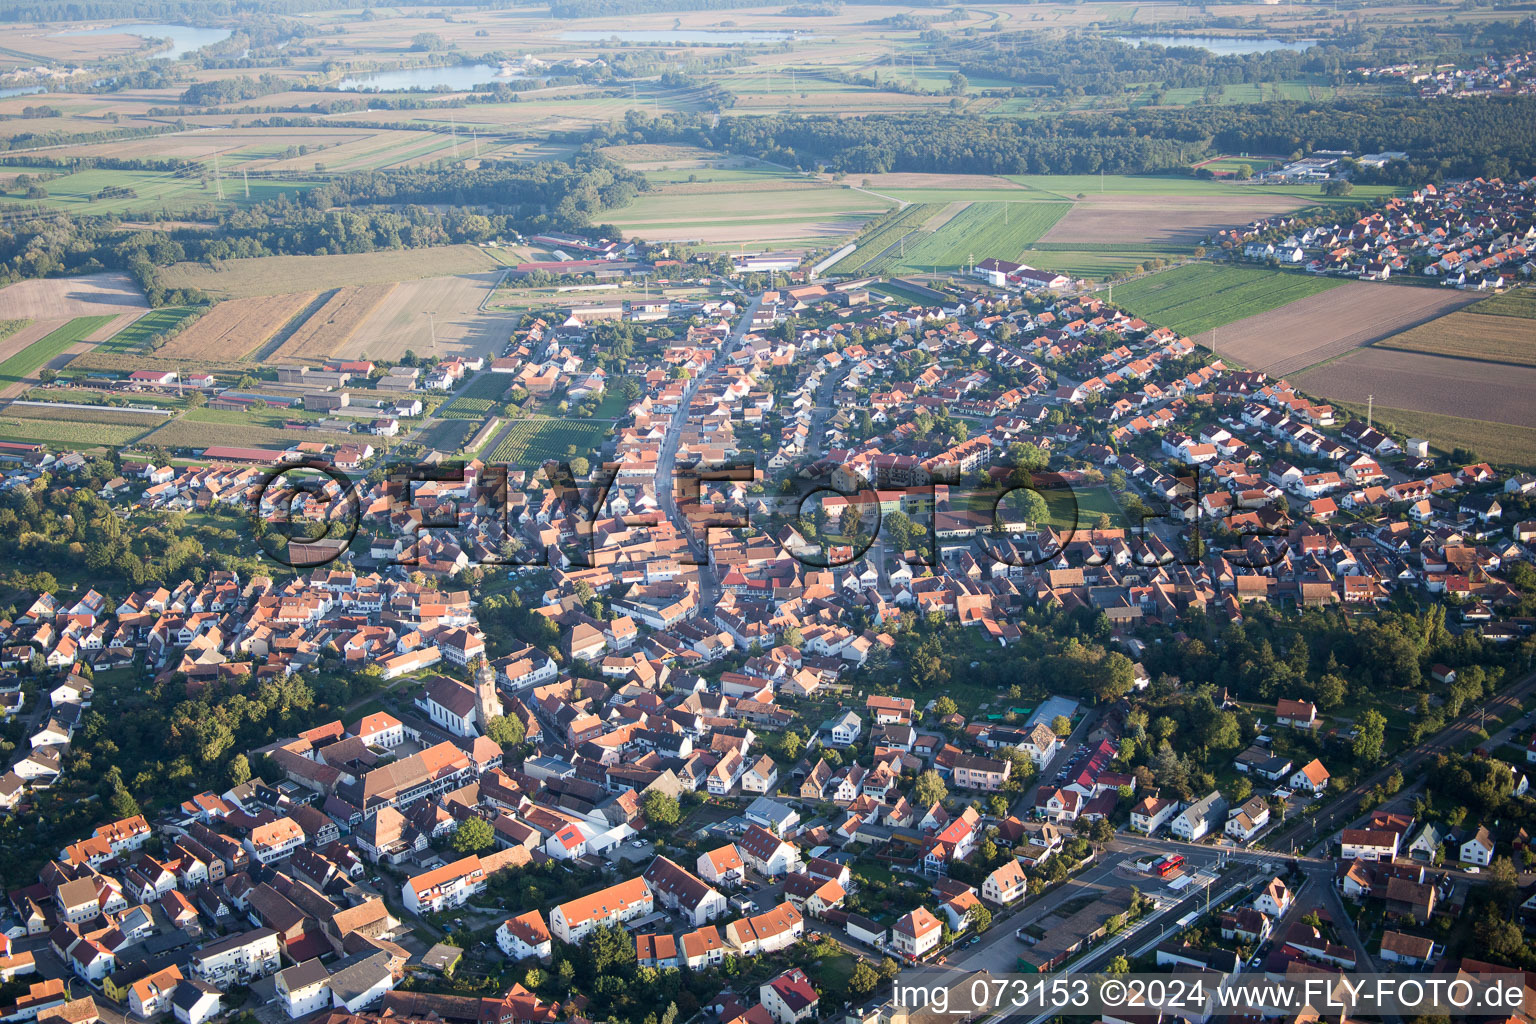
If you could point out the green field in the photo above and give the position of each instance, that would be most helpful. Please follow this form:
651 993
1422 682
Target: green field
81 192
1519 303
447 435
1196 297
982 230
869 257
1093 263
26 362
137 336
527 443
28 429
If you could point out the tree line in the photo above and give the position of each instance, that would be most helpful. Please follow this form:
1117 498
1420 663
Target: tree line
1475 136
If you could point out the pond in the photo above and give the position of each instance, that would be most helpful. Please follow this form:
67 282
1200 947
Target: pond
1225 46
723 37
184 38
458 77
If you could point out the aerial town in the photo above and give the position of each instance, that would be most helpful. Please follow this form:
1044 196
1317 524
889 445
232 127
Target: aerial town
738 514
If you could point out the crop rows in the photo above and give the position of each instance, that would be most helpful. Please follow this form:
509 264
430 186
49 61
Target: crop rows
867 258
528 443
982 230
1199 296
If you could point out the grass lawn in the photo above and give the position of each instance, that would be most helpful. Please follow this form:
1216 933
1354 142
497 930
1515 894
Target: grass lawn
138 335
26 362
1196 297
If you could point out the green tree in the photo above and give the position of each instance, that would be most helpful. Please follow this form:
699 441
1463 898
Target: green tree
506 730
863 980
930 789
980 918
472 836
661 809
239 770
945 706
792 745
1061 725
1371 730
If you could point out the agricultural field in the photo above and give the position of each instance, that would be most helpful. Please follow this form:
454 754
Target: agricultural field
1471 334
1428 383
734 214
1500 443
881 248
49 347
187 432
233 330
474 400
98 192
446 435
399 323
525 444
1331 323
144 331
1095 262
1521 302
1199 296
325 332
981 230
59 298
1180 219
74 428
279 275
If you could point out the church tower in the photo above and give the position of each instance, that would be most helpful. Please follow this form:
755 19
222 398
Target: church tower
487 702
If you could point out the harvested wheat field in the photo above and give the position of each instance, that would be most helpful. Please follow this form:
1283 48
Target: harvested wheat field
62 298
400 322
1426 383
1308 331
1166 219
328 328
279 275
1467 334
234 329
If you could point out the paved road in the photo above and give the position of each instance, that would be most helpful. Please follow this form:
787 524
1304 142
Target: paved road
666 460
1315 832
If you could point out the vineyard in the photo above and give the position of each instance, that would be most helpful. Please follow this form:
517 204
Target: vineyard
528 443
477 398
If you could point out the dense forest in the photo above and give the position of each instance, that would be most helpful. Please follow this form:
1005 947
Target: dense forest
1487 136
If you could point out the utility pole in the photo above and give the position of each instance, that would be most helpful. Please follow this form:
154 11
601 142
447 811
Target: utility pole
218 181
246 176
453 131
431 315
1370 408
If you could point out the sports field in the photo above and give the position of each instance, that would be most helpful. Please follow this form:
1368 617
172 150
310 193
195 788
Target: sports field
1199 296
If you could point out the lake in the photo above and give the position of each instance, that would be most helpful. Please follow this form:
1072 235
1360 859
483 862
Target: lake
458 77
22 90
184 38
721 38
1225 46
